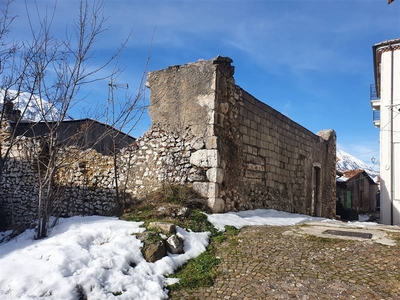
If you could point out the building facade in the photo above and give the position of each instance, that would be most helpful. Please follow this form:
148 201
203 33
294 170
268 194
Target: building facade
385 102
356 190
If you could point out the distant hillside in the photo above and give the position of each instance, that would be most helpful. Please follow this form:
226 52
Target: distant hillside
348 162
32 104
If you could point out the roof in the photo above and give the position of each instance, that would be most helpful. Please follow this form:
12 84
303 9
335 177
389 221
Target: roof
85 133
77 121
377 51
350 174
387 43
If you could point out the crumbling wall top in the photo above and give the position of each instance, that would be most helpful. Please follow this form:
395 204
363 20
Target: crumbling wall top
183 97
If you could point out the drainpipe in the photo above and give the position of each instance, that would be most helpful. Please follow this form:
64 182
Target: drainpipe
391 136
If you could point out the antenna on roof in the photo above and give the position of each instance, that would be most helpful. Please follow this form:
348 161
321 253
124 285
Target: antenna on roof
111 86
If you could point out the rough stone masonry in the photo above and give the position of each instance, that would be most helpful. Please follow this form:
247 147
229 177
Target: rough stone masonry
253 156
236 151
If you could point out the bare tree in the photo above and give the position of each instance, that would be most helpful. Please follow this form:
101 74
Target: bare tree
123 115
70 62
54 70
11 70
46 67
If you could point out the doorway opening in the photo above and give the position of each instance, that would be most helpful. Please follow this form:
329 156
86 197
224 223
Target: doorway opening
316 204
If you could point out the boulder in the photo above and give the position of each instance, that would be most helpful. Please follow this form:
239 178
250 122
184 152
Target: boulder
154 252
164 227
175 244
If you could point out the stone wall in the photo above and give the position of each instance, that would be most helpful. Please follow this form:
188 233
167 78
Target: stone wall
85 181
84 184
254 157
236 151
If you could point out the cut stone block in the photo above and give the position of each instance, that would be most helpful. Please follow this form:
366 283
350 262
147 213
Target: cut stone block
217 205
205 158
215 175
206 189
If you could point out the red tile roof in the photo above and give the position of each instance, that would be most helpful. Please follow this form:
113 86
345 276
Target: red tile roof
352 173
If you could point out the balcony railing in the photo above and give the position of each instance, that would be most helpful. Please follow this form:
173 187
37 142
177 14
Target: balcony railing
376 115
373 93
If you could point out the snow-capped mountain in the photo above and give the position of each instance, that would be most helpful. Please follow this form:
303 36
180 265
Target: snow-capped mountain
346 162
32 104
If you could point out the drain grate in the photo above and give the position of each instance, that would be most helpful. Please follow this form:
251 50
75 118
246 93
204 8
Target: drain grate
363 235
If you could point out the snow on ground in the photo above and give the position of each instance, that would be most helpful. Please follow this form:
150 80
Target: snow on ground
258 217
94 252
363 218
102 255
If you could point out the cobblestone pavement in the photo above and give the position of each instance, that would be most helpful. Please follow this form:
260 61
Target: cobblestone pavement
269 262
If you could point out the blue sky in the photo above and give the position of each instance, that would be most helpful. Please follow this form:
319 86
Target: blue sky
309 59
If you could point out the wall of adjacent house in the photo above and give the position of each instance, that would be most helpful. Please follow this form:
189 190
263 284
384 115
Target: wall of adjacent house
373 191
389 69
363 193
237 152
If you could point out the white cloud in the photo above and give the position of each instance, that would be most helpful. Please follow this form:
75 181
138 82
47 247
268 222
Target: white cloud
301 36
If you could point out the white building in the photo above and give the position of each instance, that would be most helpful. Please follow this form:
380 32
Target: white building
385 101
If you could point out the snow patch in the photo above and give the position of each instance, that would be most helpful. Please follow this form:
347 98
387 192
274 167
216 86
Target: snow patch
100 254
258 217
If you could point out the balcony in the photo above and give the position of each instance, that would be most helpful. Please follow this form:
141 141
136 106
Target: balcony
376 105
376 117
373 94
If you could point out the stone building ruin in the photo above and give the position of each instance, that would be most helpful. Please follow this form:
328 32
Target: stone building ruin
252 155
207 132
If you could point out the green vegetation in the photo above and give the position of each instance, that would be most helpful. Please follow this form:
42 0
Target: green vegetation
183 195
197 221
232 233
231 230
153 237
201 271
142 213
163 205
219 239
178 194
198 272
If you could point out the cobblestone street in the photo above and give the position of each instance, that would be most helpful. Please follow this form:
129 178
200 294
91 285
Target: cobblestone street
297 262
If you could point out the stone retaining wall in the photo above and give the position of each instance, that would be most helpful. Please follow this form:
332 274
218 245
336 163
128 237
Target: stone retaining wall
85 181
